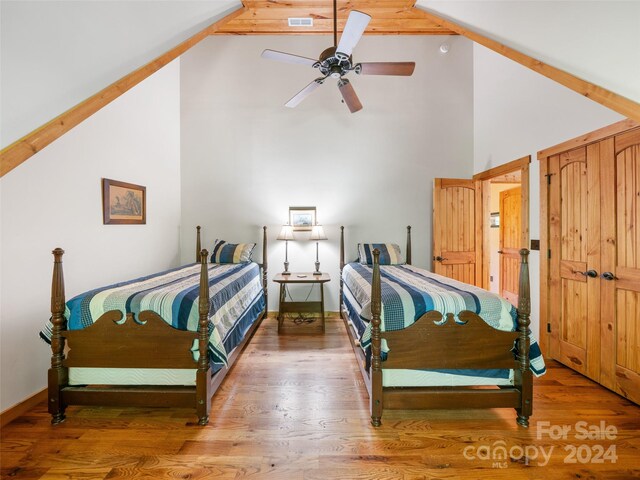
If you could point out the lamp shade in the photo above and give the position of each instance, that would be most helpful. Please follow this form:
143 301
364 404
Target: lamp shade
286 233
317 233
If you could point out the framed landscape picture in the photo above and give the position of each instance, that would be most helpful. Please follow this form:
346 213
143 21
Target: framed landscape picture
123 203
302 218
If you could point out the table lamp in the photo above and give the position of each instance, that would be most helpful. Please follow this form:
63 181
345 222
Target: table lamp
286 234
317 233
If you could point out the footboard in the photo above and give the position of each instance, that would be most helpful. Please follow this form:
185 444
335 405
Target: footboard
145 341
437 342
463 343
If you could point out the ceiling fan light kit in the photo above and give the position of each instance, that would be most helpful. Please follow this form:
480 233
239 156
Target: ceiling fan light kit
336 62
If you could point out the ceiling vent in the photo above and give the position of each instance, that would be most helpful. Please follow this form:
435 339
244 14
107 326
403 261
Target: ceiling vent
301 22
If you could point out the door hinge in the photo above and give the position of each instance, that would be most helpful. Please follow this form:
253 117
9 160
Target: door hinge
549 253
548 328
548 175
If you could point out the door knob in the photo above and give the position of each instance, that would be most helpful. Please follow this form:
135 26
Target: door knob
440 259
500 251
588 273
609 276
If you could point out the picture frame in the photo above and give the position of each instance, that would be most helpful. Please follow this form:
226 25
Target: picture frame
123 203
494 220
302 218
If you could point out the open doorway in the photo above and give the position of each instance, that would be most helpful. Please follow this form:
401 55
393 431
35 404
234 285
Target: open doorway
504 244
505 222
463 246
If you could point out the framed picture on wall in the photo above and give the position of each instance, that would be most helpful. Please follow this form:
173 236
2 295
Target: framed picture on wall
123 203
494 220
302 218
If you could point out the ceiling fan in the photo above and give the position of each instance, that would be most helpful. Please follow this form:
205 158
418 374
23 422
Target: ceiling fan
336 61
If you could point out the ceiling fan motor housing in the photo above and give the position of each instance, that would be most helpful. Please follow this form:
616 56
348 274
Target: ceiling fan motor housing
334 64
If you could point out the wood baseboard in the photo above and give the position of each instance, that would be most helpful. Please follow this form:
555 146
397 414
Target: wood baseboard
11 413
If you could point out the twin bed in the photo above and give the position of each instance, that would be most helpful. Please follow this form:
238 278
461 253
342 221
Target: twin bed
426 341
422 340
168 339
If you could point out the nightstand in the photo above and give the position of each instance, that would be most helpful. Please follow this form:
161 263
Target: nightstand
297 278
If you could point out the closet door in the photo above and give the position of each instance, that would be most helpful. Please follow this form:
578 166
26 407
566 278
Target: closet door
510 241
621 265
574 241
455 239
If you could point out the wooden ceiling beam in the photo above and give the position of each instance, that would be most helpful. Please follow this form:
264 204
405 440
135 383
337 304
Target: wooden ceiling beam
377 26
391 17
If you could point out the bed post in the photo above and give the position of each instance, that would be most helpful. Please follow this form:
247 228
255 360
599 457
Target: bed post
408 244
341 268
376 361
58 375
265 287
524 379
203 400
198 247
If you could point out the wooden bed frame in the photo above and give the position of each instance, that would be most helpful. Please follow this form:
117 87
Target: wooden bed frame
144 342
472 345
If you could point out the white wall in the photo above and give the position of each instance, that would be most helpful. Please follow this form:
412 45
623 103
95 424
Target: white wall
517 113
54 200
246 158
55 54
597 41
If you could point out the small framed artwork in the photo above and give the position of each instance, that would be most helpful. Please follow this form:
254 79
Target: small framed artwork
494 220
123 203
302 218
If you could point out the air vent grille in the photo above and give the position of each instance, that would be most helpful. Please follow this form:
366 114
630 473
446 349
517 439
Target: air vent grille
301 22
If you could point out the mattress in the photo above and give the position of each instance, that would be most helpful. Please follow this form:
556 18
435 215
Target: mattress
236 300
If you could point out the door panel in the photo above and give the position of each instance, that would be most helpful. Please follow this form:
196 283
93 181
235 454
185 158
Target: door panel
510 242
621 258
454 229
575 250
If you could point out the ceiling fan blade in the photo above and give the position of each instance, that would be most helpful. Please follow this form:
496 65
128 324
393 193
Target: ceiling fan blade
304 93
349 95
353 30
386 68
287 57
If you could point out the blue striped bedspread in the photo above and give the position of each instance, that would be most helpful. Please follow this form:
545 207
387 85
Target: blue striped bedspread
234 290
409 292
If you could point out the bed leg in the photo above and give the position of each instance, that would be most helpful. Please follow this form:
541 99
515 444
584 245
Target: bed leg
408 259
203 400
526 390
523 376
57 375
203 375
376 341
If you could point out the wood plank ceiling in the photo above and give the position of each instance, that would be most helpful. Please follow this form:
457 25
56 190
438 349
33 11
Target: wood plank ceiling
389 17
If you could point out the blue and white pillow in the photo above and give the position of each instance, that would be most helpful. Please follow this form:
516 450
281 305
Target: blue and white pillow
224 252
389 253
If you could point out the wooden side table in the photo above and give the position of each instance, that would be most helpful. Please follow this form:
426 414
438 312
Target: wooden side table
297 278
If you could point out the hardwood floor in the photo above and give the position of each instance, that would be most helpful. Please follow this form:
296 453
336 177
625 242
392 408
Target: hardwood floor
294 407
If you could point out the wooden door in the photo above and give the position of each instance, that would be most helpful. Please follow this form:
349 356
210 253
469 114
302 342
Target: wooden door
574 241
456 235
510 243
620 278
